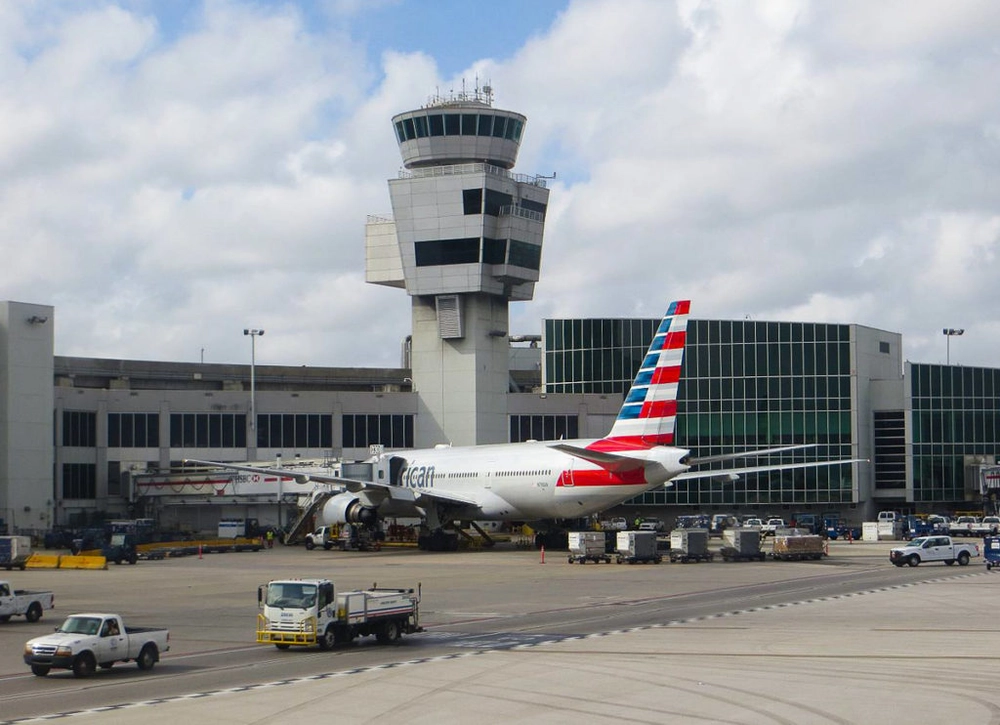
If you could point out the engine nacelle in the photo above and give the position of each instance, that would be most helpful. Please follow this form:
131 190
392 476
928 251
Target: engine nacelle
345 508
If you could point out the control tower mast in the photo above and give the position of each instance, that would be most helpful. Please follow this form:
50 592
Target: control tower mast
466 240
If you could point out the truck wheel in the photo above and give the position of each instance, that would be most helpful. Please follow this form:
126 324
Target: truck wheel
389 633
282 645
39 670
914 560
328 639
310 545
34 612
6 617
963 559
147 657
84 665
133 559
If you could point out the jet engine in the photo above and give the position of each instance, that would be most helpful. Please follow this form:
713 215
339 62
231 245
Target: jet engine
345 508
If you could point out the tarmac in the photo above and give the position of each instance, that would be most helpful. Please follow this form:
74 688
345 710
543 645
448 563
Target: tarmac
920 653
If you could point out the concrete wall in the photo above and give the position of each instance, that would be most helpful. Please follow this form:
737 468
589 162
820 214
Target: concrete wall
26 423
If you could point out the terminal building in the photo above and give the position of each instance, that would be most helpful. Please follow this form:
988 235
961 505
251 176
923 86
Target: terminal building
77 435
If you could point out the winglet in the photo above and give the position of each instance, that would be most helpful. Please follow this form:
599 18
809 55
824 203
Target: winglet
649 413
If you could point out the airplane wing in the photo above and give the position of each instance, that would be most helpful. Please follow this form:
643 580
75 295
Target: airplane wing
399 493
735 472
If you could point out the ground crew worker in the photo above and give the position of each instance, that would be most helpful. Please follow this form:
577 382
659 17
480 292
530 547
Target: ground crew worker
270 538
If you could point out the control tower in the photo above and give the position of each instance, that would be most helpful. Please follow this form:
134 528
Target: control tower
465 241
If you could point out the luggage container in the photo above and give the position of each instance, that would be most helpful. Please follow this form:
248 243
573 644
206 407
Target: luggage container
637 547
587 546
15 552
689 545
742 545
991 551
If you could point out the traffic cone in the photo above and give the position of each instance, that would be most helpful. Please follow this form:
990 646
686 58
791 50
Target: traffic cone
199 551
543 555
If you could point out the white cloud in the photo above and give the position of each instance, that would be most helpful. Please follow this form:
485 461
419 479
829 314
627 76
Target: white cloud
799 160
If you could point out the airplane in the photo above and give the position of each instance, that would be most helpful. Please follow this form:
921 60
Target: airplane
539 481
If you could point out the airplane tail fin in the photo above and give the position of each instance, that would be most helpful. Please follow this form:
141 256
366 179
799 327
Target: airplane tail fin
649 413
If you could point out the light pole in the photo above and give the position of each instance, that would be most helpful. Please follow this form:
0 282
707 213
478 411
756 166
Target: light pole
950 332
253 386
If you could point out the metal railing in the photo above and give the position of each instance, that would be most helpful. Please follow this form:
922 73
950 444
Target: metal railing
518 211
474 168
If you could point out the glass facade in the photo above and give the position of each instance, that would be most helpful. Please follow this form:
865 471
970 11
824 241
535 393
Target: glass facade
744 385
955 413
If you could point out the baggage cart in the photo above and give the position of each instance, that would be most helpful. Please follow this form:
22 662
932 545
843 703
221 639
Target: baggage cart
742 545
637 547
991 551
688 545
587 546
794 547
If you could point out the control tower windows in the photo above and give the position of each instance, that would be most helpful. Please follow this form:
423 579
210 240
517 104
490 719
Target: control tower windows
514 127
525 255
494 251
495 201
472 201
533 206
447 251
454 124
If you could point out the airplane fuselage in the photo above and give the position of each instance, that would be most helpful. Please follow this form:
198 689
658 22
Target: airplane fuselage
532 481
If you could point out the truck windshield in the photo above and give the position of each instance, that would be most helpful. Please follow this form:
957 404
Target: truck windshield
291 595
81 625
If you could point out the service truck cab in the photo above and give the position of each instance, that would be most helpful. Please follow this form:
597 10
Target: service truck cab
87 640
933 548
309 612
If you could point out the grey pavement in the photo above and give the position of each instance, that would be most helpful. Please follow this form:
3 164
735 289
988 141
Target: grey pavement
916 653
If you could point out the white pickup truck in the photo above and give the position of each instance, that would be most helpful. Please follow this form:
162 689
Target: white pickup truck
85 641
771 526
933 548
16 602
319 537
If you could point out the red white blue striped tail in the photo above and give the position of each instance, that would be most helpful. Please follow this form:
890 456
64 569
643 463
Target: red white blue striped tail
649 414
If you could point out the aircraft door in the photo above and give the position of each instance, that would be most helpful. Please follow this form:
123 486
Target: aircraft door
396 466
567 478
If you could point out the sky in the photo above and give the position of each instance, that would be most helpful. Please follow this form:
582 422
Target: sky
175 171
